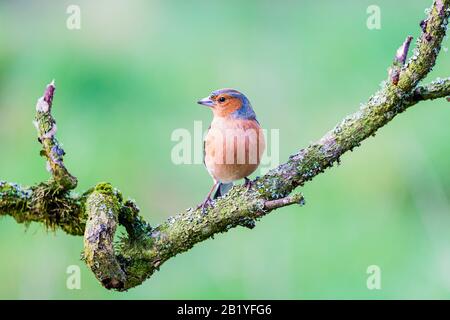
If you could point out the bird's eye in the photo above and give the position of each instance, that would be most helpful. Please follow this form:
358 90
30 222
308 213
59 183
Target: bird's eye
221 99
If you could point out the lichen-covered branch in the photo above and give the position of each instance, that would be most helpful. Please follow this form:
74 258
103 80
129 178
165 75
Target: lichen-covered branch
439 88
45 204
393 98
46 127
97 212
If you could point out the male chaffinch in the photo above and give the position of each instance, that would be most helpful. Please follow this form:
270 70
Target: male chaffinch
234 143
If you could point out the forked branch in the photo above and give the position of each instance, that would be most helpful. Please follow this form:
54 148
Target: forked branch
96 213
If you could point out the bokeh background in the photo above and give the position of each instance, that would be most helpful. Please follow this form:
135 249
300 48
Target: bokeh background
131 75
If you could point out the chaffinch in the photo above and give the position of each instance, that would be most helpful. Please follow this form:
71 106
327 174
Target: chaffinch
234 143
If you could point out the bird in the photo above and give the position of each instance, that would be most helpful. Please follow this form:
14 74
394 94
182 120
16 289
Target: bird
234 143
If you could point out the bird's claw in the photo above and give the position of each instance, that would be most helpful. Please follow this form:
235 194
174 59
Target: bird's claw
205 205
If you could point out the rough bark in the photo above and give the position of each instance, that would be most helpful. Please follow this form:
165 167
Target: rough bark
96 213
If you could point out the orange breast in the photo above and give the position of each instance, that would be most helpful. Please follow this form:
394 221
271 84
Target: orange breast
233 148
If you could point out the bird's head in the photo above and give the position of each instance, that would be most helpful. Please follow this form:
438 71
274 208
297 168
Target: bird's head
229 102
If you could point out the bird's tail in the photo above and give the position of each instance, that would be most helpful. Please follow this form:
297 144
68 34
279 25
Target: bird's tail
222 189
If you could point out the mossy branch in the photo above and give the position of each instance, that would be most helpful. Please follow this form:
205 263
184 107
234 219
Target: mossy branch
46 127
96 213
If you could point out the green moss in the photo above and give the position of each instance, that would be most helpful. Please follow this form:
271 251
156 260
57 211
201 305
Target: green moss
43 203
104 188
145 249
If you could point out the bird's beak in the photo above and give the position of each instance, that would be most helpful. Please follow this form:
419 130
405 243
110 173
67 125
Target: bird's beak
206 102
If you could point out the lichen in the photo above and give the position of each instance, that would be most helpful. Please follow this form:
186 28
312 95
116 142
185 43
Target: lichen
138 254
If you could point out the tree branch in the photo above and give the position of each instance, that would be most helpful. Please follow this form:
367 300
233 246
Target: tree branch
46 127
96 213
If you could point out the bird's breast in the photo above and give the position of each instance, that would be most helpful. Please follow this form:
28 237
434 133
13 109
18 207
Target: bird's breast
233 148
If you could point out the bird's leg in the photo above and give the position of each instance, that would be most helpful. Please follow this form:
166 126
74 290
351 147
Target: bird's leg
248 183
208 202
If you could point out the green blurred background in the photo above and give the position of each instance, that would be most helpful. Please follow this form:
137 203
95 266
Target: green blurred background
131 76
